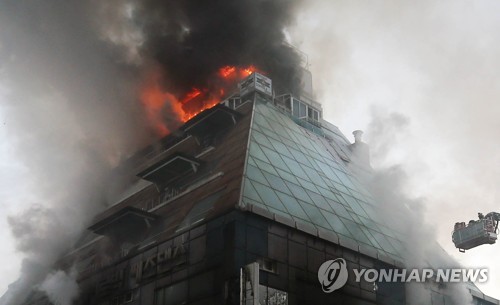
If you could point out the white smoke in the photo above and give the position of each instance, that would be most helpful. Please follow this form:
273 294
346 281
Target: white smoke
60 287
71 114
405 213
436 62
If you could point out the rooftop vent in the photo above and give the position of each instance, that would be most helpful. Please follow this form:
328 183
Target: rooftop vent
256 82
360 150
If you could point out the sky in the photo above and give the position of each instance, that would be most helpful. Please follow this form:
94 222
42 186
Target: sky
427 69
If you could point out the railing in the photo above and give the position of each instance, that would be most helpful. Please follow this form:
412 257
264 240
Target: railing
316 128
151 203
306 122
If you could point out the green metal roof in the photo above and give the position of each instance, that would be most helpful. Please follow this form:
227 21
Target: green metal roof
299 174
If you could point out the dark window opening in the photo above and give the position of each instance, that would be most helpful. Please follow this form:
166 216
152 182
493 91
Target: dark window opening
172 295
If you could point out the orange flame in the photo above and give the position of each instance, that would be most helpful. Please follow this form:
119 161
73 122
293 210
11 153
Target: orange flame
207 104
236 73
249 70
191 95
154 100
226 71
158 103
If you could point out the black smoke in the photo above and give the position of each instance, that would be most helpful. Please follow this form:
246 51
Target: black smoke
192 39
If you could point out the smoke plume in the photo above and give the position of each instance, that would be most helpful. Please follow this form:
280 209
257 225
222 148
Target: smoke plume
193 39
60 287
405 213
73 72
437 62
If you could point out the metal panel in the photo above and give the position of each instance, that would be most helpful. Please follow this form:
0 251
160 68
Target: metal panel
256 82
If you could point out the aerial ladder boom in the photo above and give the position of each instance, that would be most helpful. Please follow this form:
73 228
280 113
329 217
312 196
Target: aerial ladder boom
476 232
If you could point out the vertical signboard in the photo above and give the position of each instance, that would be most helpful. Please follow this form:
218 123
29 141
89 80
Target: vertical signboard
249 284
252 293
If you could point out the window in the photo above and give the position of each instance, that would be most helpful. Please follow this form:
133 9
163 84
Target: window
233 102
295 107
199 211
310 112
288 103
237 102
268 265
249 276
302 110
172 295
271 296
122 299
128 297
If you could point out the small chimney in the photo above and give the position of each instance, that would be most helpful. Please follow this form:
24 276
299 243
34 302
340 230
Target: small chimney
358 135
360 150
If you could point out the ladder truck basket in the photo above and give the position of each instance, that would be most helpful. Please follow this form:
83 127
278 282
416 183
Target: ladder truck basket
476 233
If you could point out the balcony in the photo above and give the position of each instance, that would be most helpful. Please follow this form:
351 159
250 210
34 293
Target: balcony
124 223
175 166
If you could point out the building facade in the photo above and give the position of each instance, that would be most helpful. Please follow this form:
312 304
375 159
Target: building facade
241 205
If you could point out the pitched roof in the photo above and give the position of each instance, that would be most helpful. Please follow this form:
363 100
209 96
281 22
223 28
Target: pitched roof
299 174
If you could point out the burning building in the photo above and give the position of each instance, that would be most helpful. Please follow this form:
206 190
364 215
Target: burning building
241 204
247 193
